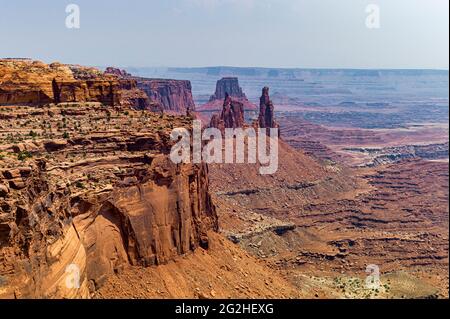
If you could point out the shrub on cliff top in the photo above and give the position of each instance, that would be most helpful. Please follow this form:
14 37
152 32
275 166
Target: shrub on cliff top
22 156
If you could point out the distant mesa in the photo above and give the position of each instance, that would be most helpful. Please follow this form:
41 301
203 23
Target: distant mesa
173 96
230 86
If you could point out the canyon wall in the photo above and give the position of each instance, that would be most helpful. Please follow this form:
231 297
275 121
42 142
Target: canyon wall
96 203
173 95
27 82
164 95
36 83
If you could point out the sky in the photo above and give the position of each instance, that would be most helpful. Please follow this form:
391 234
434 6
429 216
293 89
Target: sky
412 34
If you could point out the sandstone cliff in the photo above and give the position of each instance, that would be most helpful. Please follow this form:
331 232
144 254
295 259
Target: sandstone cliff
27 82
266 117
227 86
173 96
94 202
36 83
232 115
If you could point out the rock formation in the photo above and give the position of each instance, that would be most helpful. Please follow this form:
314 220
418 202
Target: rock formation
118 72
230 86
232 115
266 117
27 82
173 96
93 190
36 83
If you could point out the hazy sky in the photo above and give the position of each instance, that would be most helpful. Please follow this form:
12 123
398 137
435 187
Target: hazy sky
267 33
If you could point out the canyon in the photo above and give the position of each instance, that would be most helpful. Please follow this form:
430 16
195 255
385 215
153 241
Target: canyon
35 83
88 191
102 200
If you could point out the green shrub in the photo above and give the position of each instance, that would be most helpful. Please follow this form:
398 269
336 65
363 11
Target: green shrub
22 156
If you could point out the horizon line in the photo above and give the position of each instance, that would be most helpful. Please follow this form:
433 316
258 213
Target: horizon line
291 68
240 67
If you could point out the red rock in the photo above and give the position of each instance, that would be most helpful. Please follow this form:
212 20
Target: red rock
36 83
173 95
231 86
232 115
228 85
118 72
266 117
119 201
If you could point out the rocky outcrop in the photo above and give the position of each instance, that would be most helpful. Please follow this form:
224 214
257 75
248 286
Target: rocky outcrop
94 203
30 82
26 82
103 91
232 115
230 86
227 86
173 96
36 83
389 155
266 117
133 97
117 72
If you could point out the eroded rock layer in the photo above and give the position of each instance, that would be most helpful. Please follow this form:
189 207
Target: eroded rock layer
232 115
174 96
228 86
36 83
86 192
266 111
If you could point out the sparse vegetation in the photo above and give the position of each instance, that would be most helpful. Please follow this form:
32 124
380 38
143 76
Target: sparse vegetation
24 155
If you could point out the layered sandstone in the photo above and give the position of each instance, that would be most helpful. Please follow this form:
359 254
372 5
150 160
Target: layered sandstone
173 96
266 117
30 82
232 115
228 86
27 82
92 191
36 83
118 72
